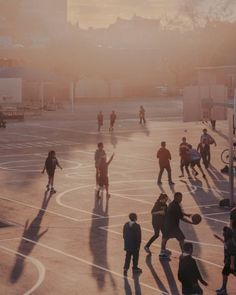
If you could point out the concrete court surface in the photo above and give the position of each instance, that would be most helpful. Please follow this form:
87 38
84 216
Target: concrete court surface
71 243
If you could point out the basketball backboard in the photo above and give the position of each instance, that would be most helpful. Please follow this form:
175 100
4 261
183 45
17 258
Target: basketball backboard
199 103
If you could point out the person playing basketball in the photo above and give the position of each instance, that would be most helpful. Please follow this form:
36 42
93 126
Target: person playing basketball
172 230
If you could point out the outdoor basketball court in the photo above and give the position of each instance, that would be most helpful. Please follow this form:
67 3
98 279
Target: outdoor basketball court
70 242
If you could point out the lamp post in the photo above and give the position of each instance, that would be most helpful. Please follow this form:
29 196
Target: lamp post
72 94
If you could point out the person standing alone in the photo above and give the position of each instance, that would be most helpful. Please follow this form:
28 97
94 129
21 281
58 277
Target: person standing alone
142 119
112 120
50 166
132 242
100 120
164 157
207 140
99 154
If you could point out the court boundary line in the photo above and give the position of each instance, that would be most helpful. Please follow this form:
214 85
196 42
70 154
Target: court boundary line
37 263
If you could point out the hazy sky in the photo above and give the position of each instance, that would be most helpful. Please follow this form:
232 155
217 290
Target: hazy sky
101 13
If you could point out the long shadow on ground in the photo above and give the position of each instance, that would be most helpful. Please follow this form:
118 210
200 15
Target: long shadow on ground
31 232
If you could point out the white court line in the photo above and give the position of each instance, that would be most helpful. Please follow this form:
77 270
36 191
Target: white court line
43 154
66 216
202 206
151 231
10 239
40 267
217 213
92 264
217 220
172 250
59 197
128 196
37 162
28 135
213 189
39 208
92 133
194 242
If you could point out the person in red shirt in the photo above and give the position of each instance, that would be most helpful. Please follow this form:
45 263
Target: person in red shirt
164 157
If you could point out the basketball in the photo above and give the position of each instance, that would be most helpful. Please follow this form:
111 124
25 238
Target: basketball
211 140
196 218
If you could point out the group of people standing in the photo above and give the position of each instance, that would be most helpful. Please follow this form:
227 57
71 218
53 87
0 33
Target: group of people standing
167 220
100 120
113 116
189 157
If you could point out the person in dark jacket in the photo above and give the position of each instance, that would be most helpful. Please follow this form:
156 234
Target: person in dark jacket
164 156
184 157
229 242
103 178
99 153
188 273
132 241
50 166
158 219
172 229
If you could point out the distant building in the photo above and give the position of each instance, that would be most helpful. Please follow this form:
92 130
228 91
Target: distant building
52 13
219 75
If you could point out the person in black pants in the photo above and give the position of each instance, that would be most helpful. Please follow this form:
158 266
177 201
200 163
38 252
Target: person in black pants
188 272
172 229
184 157
50 166
158 217
233 220
229 242
164 156
206 140
132 241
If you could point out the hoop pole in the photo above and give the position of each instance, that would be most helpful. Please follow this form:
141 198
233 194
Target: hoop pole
231 166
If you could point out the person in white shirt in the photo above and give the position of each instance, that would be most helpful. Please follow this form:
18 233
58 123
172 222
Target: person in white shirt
207 140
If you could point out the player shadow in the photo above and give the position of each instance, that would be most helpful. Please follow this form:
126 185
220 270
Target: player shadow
113 139
159 283
200 197
217 178
145 129
98 242
127 287
171 187
31 233
221 134
137 287
170 277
